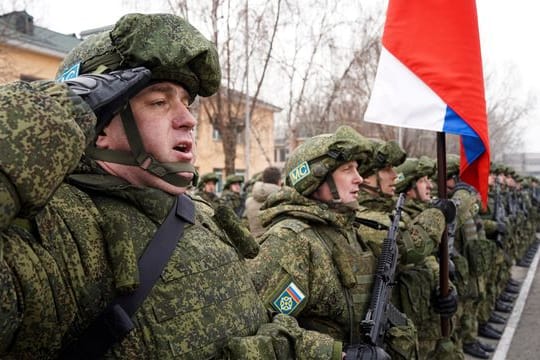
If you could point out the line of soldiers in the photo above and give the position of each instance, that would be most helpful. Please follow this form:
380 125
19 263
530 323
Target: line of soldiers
484 243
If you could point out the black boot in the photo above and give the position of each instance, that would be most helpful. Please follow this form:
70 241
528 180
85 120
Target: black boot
503 307
496 319
489 332
475 350
486 347
512 289
506 296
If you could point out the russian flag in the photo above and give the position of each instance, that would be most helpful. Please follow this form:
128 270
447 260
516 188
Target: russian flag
430 77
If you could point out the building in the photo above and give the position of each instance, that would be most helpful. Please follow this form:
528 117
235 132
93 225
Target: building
30 52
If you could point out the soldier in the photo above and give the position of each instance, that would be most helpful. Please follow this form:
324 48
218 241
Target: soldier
417 276
311 249
269 184
206 188
472 255
84 270
231 196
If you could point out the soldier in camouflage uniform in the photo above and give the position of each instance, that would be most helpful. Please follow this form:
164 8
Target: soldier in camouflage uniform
206 188
312 264
72 229
419 239
231 196
472 255
417 281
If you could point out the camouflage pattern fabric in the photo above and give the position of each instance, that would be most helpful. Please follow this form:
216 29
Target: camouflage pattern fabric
210 197
318 251
233 200
74 245
194 63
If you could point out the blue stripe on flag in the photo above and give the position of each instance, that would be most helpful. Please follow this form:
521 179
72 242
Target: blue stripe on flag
472 144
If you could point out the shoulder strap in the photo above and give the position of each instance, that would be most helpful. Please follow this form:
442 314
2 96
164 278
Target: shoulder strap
115 321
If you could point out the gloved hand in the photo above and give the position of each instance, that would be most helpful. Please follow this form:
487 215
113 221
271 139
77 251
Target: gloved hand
501 228
445 306
107 93
366 352
447 207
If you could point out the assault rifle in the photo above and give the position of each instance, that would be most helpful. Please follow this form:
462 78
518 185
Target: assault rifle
381 313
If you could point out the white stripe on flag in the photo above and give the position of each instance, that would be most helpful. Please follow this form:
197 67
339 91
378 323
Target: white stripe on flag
297 291
400 98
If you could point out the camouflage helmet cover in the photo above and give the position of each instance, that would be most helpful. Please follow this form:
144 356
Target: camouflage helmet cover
452 165
164 43
206 178
413 169
384 154
231 179
309 164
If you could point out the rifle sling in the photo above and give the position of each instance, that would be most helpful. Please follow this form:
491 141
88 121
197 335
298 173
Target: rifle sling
114 323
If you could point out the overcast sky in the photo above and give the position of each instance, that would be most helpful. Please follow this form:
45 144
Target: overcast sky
509 33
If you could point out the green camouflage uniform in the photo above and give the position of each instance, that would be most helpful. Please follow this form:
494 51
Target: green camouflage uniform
211 197
71 236
312 248
418 273
232 199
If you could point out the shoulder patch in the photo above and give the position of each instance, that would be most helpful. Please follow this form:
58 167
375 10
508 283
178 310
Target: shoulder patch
288 299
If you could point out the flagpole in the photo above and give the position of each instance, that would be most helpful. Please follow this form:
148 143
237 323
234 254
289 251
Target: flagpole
443 247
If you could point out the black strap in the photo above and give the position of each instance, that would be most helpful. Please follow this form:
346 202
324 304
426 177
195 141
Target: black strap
115 321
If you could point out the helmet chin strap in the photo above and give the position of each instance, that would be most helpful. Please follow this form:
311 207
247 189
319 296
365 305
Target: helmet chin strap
139 157
336 202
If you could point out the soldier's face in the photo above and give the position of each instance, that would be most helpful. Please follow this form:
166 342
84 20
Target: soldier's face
423 188
210 186
235 187
166 126
387 180
347 182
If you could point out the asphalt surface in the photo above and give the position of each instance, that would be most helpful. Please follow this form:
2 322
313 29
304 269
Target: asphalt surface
521 333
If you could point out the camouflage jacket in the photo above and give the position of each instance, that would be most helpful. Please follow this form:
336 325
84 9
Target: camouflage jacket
313 265
69 245
315 252
233 200
419 236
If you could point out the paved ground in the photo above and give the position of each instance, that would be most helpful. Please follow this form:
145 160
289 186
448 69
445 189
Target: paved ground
521 336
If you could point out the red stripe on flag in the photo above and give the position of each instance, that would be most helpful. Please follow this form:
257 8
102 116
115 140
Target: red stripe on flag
439 42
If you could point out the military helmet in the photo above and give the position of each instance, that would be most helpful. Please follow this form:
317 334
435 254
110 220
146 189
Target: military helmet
452 165
309 164
384 154
412 170
231 179
206 178
164 43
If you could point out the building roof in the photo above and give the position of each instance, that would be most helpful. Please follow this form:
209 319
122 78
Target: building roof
17 29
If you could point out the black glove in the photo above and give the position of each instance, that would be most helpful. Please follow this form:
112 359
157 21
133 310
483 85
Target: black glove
447 207
366 352
107 93
445 306
501 228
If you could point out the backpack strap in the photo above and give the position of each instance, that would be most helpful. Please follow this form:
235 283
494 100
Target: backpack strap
114 323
